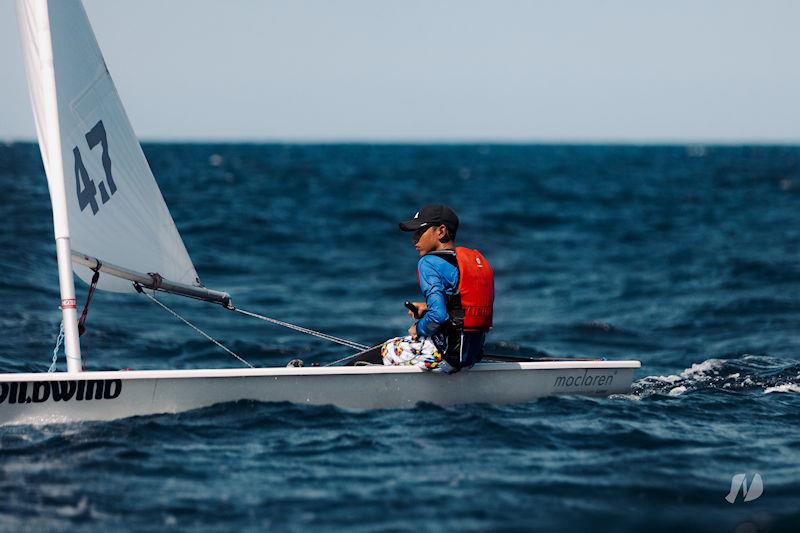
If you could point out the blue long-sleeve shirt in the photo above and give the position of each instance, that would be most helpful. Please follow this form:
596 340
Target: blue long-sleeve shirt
438 279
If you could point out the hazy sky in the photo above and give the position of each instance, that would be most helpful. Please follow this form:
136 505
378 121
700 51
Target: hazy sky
569 70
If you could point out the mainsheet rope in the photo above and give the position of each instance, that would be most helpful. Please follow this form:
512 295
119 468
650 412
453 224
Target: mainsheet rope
348 358
307 331
198 330
338 340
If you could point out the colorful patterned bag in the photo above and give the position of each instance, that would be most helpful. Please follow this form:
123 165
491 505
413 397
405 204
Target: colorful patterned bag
414 351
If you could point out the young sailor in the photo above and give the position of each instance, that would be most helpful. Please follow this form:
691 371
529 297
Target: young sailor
458 285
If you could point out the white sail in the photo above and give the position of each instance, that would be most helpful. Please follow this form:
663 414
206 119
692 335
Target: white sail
114 207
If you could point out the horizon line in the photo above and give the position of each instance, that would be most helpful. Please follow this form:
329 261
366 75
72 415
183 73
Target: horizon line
453 141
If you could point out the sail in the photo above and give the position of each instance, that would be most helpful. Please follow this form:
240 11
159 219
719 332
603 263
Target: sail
93 160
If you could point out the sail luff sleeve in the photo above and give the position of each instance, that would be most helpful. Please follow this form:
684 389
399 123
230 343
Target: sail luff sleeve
37 49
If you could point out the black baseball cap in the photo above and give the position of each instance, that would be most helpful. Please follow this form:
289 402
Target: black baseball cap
432 215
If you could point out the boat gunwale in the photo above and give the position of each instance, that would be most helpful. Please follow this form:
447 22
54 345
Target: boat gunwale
306 371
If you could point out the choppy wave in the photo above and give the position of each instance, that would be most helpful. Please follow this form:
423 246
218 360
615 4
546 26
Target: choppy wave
683 258
745 373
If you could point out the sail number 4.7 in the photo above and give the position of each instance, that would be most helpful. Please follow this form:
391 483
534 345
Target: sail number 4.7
84 185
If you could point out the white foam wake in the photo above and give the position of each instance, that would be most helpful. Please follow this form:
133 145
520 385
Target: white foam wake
786 387
745 373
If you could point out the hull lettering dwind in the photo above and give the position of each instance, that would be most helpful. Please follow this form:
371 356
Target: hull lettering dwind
16 392
63 390
41 391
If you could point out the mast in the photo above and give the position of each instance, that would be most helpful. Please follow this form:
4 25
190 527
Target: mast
35 13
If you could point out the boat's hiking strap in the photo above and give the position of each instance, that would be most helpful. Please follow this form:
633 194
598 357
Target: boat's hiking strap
198 330
307 331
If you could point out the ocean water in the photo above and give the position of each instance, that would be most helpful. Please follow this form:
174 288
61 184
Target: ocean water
684 257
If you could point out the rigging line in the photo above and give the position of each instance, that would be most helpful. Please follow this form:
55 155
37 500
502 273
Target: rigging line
92 287
59 340
342 360
198 330
338 340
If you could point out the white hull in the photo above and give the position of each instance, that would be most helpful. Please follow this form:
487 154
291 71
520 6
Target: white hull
47 398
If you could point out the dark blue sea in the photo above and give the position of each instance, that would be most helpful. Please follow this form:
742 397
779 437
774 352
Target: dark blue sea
684 257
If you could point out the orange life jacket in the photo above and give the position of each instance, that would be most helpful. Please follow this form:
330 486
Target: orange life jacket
475 289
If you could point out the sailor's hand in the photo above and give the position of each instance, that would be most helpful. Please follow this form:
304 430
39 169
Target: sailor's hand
422 308
413 330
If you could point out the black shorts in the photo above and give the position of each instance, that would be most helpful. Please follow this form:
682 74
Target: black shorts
461 349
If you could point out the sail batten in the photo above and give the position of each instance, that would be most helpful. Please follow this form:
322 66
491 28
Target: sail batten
94 163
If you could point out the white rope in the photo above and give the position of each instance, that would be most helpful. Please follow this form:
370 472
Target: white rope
338 340
59 340
198 330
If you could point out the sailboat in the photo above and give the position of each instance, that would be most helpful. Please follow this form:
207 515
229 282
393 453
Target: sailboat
114 231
